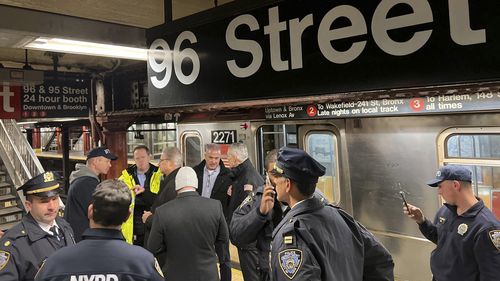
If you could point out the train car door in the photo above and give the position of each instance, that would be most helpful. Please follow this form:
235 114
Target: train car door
191 147
325 142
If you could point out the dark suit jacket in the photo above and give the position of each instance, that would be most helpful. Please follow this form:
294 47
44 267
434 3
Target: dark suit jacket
186 229
222 183
167 193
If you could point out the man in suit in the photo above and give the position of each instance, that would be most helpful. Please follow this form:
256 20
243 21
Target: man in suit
213 182
186 229
213 176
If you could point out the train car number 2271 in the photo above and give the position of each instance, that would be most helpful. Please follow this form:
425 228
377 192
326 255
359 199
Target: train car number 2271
224 136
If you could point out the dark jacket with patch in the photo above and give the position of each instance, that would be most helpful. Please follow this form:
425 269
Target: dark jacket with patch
26 245
243 174
248 226
221 184
102 253
468 246
313 242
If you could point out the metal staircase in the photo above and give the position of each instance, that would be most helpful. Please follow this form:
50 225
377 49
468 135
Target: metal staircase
19 164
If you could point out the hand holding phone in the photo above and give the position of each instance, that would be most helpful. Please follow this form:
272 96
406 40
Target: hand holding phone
268 181
404 200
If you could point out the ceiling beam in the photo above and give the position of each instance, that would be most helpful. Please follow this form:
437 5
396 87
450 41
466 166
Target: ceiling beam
26 22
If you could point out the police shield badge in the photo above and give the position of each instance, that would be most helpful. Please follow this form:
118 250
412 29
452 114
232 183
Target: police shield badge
290 261
4 259
495 238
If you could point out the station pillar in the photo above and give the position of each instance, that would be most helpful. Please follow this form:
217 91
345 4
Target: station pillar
115 138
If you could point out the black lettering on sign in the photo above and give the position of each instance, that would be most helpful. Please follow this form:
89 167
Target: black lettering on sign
224 136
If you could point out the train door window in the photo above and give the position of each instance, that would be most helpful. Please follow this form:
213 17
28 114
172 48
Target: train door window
322 146
479 150
271 137
191 148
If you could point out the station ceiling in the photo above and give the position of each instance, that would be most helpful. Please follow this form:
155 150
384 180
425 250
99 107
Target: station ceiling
121 22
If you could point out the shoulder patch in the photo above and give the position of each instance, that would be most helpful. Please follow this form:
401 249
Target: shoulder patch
4 259
495 238
158 268
290 262
247 200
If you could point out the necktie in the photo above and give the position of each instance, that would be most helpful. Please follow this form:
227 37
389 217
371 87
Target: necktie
56 233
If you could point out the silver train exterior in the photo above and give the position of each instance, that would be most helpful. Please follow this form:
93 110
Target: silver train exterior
376 158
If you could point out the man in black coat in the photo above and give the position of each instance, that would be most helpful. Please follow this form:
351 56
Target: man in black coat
39 234
186 229
213 177
103 253
245 180
213 182
170 163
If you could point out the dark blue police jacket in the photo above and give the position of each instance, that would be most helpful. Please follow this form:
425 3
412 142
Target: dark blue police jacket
314 243
104 255
468 245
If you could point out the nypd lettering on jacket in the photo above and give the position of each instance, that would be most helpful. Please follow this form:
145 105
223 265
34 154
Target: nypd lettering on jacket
95 277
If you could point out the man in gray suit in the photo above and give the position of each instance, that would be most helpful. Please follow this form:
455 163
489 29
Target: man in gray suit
186 230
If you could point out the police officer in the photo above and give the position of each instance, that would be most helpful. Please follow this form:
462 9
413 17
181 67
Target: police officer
253 222
103 253
39 234
312 242
466 233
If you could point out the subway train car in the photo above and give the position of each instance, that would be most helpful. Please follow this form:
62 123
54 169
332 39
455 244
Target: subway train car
370 160
381 93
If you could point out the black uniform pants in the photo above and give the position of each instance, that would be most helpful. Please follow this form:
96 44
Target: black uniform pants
249 263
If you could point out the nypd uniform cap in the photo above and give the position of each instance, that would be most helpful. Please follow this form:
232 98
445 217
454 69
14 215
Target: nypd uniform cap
101 151
43 185
451 172
297 165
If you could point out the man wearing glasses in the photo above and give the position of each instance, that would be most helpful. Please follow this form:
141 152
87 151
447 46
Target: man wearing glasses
170 163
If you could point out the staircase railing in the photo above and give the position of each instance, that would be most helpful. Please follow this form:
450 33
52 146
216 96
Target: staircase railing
18 157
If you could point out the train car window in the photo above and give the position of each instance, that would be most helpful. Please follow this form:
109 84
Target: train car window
473 146
154 136
480 152
191 149
322 146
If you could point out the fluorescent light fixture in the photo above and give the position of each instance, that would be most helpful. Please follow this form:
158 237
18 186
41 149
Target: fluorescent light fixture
87 48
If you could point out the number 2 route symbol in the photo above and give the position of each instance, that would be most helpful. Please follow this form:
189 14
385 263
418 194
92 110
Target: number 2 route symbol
312 110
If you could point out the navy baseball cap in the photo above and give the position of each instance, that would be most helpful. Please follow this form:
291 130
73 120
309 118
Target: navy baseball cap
44 185
101 151
451 172
297 165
